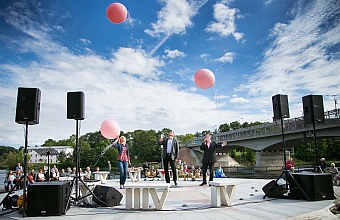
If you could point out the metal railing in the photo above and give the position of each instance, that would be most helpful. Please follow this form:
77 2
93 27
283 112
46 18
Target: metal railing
267 129
261 172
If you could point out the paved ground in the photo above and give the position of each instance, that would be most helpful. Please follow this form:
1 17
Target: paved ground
192 202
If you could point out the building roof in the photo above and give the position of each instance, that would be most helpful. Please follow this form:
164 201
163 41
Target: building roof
46 150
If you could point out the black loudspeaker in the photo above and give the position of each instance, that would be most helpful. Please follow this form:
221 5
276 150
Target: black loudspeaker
47 198
313 110
280 106
272 189
75 105
107 195
28 106
317 186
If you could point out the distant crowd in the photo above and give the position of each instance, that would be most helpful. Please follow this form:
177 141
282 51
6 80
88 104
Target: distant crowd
184 171
15 179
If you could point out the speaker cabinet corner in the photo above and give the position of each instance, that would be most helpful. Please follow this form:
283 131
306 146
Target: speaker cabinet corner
47 198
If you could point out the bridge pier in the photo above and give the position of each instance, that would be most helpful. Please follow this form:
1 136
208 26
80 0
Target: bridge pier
225 160
271 159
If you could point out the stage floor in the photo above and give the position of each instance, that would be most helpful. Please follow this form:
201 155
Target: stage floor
190 201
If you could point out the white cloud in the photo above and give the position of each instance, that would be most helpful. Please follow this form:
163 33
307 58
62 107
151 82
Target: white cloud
113 90
267 2
173 54
85 41
225 21
239 100
127 86
205 57
226 58
173 18
298 61
136 62
124 88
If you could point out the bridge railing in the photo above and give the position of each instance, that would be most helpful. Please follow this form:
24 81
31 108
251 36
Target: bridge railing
267 129
261 172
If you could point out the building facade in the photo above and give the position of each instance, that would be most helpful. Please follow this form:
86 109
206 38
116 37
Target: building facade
43 154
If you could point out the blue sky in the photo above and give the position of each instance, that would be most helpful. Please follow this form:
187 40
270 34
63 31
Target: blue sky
140 72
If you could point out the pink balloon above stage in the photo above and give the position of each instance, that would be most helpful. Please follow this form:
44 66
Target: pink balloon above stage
110 129
204 78
116 13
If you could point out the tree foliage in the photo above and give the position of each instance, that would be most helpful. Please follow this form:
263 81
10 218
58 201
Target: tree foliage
95 150
224 127
327 148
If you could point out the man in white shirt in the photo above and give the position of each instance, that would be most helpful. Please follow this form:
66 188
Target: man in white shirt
170 154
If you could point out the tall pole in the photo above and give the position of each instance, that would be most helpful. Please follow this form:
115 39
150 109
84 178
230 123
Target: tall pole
316 148
25 172
161 156
335 102
48 165
336 110
77 161
284 151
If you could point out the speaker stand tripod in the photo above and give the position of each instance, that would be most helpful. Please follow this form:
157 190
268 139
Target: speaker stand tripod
77 178
286 172
21 180
24 177
317 168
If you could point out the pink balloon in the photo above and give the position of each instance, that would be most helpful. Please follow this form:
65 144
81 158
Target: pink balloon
116 13
204 78
110 129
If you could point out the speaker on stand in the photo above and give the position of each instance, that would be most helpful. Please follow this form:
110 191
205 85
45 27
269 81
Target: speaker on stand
27 113
28 106
281 110
75 105
75 110
313 112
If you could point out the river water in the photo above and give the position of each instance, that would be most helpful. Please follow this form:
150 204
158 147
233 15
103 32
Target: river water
2 178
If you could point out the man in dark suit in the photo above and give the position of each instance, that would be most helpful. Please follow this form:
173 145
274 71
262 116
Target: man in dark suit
209 157
170 154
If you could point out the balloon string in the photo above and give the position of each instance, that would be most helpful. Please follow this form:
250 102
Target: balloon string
216 102
107 147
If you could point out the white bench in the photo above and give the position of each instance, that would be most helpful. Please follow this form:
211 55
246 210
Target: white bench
101 175
162 173
135 174
84 191
134 191
222 192
65 178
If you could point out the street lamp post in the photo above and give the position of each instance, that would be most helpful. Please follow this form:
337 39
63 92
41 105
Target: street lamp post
162 153
335 102
239 121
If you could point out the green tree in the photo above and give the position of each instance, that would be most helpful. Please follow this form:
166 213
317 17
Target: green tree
250 156
224 127
49 142
255 123
5 149
86 156
232 153
235 125
184 139
145 145
12 158
62 157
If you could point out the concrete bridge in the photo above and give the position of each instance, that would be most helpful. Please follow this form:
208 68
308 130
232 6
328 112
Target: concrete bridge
267 138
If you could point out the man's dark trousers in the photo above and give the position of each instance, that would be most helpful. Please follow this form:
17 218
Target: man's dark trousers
166 161
204 170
